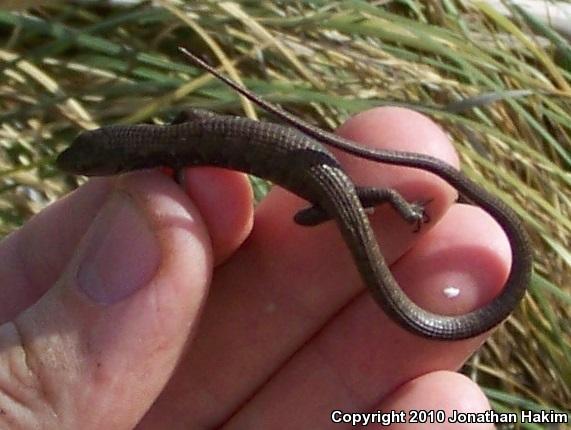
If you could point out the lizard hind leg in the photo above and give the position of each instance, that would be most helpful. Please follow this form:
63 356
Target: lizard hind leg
413 213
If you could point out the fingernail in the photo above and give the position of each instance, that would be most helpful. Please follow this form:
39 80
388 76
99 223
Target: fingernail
122 254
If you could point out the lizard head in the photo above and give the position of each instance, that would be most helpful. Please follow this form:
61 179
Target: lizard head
92 153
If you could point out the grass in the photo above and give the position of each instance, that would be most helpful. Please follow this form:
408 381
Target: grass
500 86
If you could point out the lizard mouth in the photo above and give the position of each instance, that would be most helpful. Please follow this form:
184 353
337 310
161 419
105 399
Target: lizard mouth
67 161
86 156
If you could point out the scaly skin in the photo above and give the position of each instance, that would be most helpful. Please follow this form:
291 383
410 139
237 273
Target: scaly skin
297 161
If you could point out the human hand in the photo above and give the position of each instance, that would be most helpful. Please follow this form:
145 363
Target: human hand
104 293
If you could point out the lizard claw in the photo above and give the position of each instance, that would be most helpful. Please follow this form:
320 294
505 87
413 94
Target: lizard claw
419 214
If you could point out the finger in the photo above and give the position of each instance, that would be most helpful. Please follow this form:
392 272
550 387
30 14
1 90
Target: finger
99 346
361 357
439 400
34 256
224 198
287 281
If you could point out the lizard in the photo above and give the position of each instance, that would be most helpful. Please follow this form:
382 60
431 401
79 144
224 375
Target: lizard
295 157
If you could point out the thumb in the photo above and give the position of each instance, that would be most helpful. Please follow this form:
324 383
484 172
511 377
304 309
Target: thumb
98 347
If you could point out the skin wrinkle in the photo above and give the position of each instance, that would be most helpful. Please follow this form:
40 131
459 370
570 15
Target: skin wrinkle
16 360
35 386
